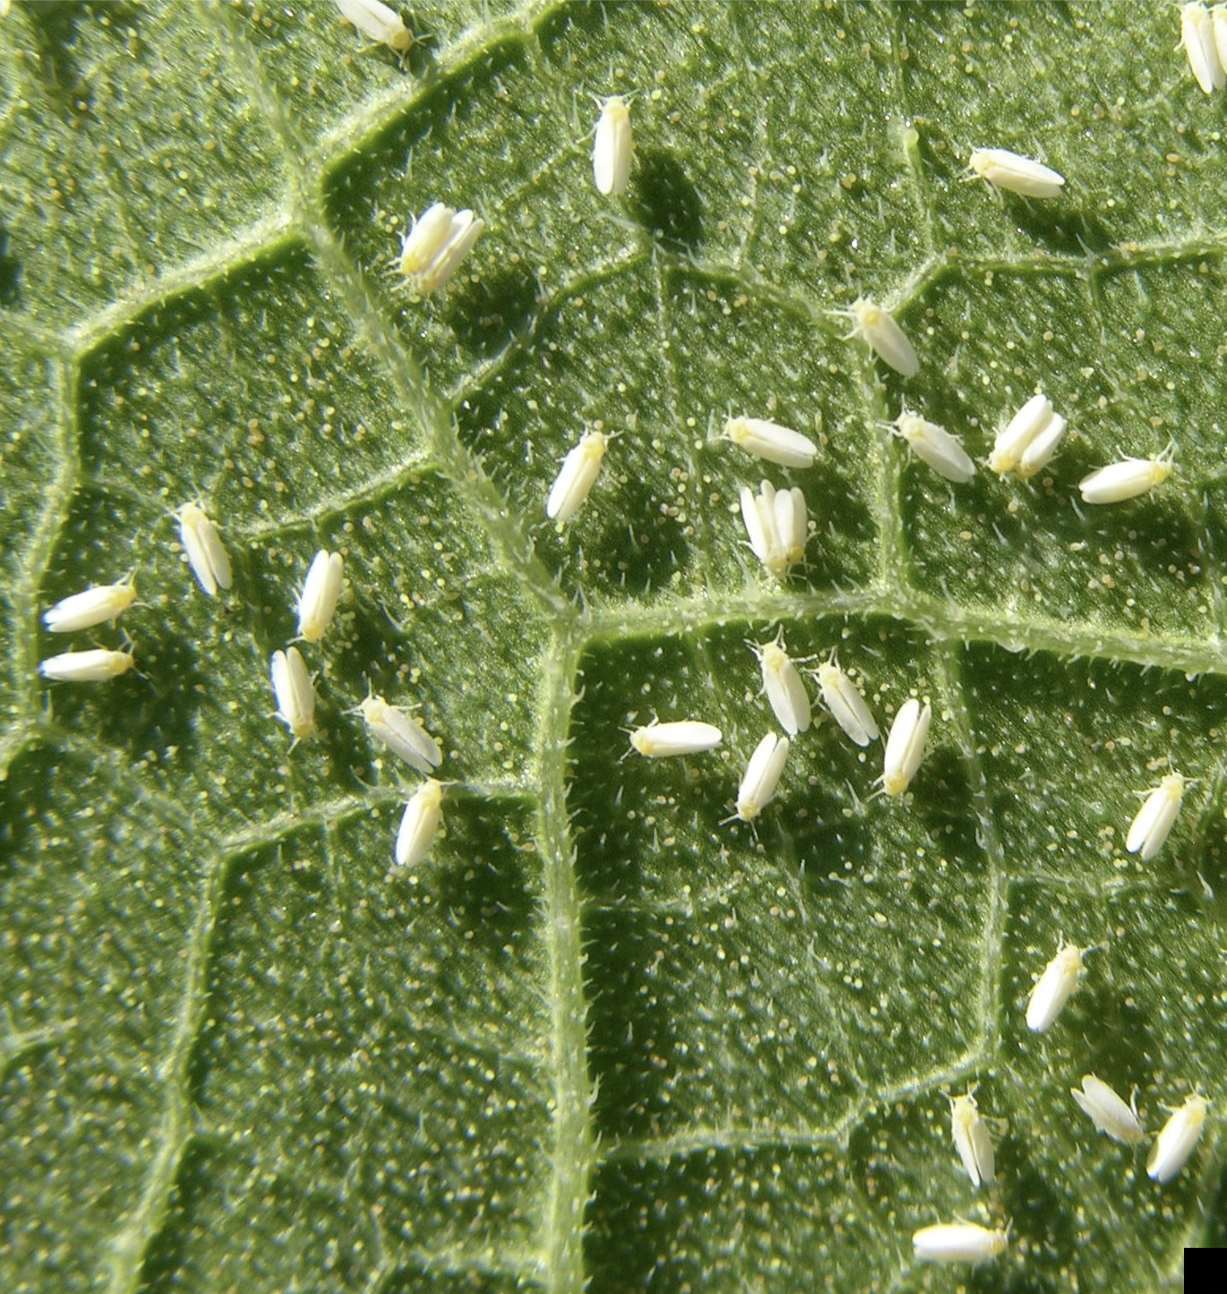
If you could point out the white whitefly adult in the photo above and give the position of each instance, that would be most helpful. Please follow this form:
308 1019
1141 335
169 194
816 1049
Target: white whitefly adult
677 737
1107 1111
972 1139
206 554
777 523
848 707
762 777
1176 1142
1128 478
576 477
419 824
783 686
958 1242
1059 980
401 733
1199 38
295 693
91 607
877 327
934 445
1040 451
1218 25
1154 820
317 603
432 251
771 441
1023 175
613 146
905 746
377 21
96 665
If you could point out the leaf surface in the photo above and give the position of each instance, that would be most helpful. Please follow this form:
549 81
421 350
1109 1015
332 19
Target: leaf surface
602 1038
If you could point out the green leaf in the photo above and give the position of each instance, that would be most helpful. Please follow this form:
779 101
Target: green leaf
603 1037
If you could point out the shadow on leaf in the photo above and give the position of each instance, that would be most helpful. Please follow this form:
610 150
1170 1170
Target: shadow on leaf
10 272
665 202
489 315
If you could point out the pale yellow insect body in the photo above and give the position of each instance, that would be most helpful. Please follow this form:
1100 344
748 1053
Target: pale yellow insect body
92 607
876 326
1199 36
1022 175
935 446
783 685
958 1242
1054 987
1127 479
972 1139
1107 1111
378 21
777 523
771 441
317 603
613 147
678 737
203 546
905 746
419 824
401 733
576 477
432 251
762 776
295 693
1155 819
93 666
1177 1141
848 707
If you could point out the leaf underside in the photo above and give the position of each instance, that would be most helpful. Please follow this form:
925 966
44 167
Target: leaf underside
602 1038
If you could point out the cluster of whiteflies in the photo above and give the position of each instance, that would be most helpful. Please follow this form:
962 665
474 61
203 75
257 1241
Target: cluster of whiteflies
431 252
777 524
955 1242
399 731
1032 437
1025 446
968 1242
1059 980
612 142
789 700
777 521
94 606
317 604
1203 33
104 602
293 686
440 239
